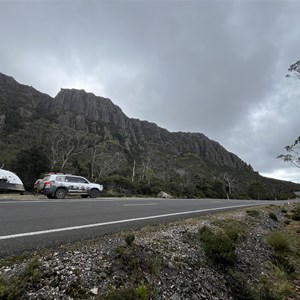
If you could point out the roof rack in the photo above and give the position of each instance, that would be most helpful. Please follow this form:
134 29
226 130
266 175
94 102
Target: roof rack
60 173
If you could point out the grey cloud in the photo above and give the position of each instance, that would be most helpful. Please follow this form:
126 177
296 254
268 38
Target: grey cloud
187 65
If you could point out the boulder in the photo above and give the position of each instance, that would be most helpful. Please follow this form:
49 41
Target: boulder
164 195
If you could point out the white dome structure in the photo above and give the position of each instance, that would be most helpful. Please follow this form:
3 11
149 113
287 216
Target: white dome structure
9 181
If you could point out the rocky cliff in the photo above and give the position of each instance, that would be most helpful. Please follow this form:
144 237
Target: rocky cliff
87 112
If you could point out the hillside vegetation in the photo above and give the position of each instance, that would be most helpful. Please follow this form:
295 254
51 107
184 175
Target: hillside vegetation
78 132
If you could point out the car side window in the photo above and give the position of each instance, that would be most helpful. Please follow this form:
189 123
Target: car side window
60 178
81 180
71 179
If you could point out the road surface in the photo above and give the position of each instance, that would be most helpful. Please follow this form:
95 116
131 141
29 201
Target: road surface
37 224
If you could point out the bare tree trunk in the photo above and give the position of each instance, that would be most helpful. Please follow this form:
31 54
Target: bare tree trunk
133 171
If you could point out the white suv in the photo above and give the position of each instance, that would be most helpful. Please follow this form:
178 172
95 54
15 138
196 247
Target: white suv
58 185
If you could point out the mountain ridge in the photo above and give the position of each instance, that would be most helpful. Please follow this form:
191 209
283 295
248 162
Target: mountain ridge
145 153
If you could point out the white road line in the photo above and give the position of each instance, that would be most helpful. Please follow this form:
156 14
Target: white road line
18 235
140 204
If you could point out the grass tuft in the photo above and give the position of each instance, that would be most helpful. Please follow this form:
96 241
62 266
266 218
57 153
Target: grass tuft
280 241
129 239
296 213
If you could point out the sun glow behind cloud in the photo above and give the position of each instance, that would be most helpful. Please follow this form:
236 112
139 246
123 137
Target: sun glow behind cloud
292 174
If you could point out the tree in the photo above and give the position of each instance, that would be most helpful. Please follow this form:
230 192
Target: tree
58 144
293 153
294 70
29 164
230 182
62 144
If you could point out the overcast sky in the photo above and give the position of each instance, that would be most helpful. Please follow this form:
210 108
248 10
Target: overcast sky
215 67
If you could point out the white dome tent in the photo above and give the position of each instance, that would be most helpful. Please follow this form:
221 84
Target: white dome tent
10 182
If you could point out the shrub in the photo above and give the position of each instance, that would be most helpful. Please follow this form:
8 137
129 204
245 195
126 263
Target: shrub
233 228
283 210
239 286
32 272
275 286
120 294
217 246
142 292
129 239
14 287
232 233
283 263
155 266
296 213
273 216
7 291
76 291
280 241
253 212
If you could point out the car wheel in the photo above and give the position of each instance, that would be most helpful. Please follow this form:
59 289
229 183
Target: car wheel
94 193
84 196
50 196
60 193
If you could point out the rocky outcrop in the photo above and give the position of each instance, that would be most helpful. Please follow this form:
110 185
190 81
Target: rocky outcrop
21 104
85 111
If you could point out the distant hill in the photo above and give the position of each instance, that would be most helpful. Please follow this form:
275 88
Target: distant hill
82 133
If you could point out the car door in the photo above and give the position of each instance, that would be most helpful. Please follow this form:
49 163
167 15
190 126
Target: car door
83 185
72 184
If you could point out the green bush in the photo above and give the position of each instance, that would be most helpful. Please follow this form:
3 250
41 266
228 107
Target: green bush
129 239
283 210
142 292
273 216
239 286
283 263
217 246
14 287
7 290
120 294
275 286
296 213
253 213
233 228
232 233
76 291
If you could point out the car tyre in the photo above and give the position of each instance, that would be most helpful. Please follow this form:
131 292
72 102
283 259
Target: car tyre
94 193
60 193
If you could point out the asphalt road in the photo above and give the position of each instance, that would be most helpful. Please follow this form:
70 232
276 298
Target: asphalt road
37 224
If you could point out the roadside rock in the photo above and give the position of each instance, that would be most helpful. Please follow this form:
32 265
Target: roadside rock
164 195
